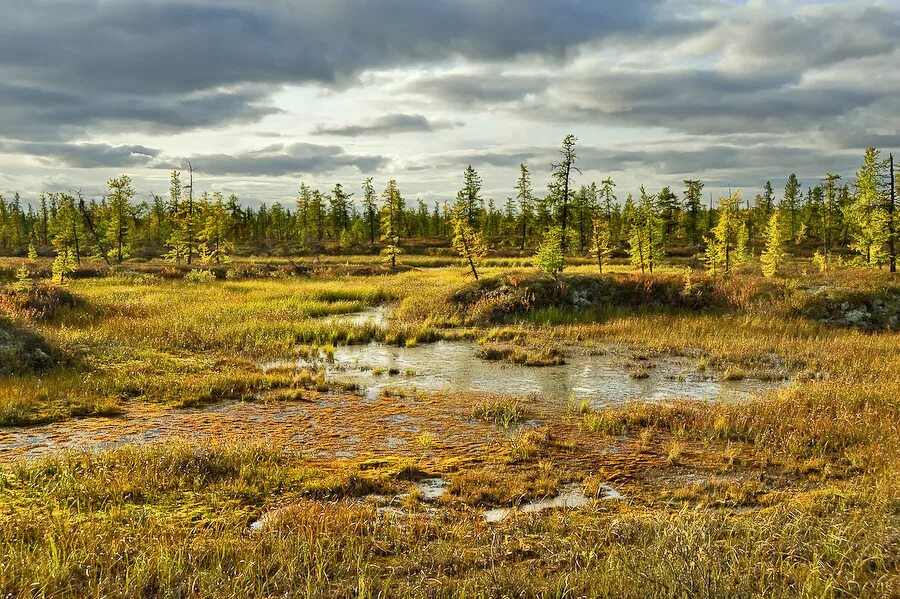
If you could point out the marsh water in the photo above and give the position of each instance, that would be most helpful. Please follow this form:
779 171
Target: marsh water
601 378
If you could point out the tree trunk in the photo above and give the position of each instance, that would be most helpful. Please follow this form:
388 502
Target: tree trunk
892 234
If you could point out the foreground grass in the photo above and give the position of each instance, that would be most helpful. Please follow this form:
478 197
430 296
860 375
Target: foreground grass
174 521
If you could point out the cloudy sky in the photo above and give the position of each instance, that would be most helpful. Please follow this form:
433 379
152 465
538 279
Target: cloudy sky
263 94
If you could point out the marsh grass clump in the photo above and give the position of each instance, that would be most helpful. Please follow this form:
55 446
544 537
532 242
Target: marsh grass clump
525 356
640 372
733 373
504 413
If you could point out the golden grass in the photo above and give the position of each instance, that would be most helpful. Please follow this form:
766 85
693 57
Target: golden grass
793 493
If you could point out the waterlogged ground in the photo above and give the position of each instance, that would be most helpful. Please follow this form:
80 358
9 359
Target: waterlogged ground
409 400
600 377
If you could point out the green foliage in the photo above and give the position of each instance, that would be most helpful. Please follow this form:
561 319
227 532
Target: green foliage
119 216
600 238
391 213
773 256
63 264
866 214
723 243
216 224
646 234
23 281
549 257
32 251
468 199
200 277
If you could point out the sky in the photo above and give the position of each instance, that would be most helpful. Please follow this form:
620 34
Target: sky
261 95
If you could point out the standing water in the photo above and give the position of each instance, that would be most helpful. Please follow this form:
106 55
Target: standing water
454 366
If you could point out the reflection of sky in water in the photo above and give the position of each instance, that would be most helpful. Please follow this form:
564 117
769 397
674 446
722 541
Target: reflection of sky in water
454 366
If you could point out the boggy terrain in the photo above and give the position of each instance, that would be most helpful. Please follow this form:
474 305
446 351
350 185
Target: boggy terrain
267 434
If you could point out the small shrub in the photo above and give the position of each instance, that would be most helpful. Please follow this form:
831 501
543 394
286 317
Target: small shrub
201 276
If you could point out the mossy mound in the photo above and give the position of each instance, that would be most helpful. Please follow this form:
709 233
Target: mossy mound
23 352
501 299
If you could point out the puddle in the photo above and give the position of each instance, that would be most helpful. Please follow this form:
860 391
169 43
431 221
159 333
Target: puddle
454 366
570 497
376 316
432 488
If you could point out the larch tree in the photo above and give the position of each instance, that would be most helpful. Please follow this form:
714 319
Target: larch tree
773 256
550 257
645 237
390 222
723 239
64 235
600 239
216 223
118 222
525 199
468 242
181 212
866 214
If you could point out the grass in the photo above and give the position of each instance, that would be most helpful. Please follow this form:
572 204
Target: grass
187 510
505 413
792 493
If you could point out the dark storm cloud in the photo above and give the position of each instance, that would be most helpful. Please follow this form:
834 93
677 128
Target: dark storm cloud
720 161
818 69
82 155
388 124
135 46
279 160
175 65
500 158
699 102
28 112
479 89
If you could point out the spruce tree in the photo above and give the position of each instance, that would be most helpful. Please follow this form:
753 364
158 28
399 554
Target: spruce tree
370 206
790 203
468 199
561 184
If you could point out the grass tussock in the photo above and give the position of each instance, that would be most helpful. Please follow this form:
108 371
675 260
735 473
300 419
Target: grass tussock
505 413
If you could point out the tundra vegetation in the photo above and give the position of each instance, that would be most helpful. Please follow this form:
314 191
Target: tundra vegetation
120 315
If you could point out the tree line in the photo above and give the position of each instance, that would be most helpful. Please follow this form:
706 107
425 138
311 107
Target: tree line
837 216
